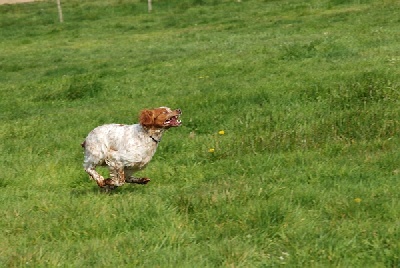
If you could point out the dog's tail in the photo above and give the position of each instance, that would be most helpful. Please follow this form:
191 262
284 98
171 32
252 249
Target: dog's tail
83 144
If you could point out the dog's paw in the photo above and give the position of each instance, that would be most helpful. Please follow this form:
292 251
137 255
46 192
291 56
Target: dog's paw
143 180
108 185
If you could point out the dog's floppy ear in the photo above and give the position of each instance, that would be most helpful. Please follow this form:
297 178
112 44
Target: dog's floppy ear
146 118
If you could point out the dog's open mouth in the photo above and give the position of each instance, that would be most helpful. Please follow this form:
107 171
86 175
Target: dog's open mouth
173 121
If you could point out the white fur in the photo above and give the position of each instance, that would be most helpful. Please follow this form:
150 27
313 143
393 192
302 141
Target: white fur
126 145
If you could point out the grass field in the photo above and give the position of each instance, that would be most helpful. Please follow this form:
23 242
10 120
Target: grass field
304 174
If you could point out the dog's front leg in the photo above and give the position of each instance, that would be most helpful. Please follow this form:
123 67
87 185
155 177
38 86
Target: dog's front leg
137 180
129 178
132 179
117 175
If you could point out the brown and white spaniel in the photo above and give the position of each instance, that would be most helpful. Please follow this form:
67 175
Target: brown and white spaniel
126 149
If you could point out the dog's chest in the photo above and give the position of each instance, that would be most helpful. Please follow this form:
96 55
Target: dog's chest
136 153
129 146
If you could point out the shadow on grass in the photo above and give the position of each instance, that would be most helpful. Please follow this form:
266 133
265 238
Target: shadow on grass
3 183
82 190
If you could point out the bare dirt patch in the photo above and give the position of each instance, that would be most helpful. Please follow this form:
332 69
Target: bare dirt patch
2 2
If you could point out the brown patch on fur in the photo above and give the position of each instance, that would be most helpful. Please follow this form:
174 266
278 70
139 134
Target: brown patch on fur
146 118
83 144
138 180
156 118
101 184
108 181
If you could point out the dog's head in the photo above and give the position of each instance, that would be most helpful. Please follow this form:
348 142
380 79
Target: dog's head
160 118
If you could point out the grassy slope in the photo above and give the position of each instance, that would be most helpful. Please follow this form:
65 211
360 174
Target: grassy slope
306 173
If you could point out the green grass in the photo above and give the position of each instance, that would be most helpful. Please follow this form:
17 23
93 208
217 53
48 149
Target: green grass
306 174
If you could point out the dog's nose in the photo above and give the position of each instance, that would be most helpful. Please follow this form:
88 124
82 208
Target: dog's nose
179 111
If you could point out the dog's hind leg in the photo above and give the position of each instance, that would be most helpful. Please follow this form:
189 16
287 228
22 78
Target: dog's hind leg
91 170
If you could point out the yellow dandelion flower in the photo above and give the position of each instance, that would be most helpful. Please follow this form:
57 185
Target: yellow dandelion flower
357 200
211 150
221 132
